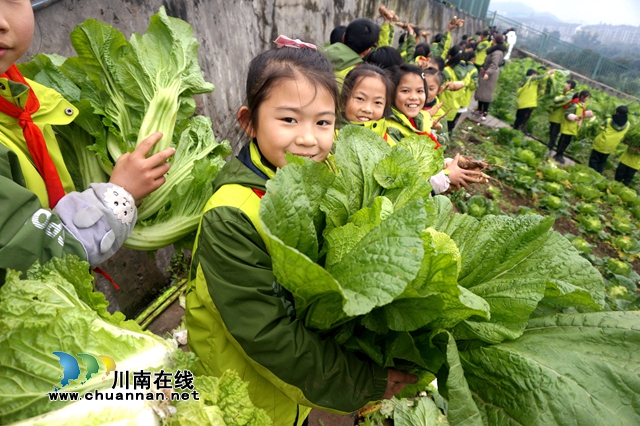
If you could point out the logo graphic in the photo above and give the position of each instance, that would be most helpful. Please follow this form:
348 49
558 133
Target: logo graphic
71 367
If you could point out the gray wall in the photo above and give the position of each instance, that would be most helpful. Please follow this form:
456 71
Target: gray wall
233 32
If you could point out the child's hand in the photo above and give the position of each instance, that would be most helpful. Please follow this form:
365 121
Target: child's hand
550 72
396 381
410 29
461 177
139 175
436 126
485 77
424 63
588 114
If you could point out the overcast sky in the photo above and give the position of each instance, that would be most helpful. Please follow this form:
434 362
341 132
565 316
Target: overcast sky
616 12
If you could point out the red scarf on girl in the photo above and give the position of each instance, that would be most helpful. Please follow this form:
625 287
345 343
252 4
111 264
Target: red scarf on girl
431 135
34 137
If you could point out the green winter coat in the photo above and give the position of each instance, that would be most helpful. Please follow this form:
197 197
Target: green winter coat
610 137
558 106
481 52
343 59
528 91
407 48
239 317
29 231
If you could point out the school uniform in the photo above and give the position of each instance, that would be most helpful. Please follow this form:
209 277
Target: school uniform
44 218
452 100
555 117
239 317
343 59
568 129
399 126
629 165
481 52
527 100
606 142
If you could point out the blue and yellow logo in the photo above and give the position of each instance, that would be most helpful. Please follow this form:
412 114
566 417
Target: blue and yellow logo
71 367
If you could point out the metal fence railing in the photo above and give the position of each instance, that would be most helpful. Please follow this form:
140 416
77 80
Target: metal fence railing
582 61
477 8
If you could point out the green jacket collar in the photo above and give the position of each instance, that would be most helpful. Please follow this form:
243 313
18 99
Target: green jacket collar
342 56
404 120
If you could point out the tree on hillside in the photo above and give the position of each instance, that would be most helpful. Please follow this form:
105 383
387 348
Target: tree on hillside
586 38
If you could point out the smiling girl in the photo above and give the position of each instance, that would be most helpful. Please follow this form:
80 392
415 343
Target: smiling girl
238 316
365 98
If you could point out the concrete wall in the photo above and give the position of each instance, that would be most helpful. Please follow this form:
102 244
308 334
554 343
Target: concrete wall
232 33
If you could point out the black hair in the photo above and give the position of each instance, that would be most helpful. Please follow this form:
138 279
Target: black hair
438 62
531 71
385 57
463 44
572 83
437 38
478 32
403 36
356 75
465 37
431 72
405 69
454 56
622 110
271 67
485 33
337 33
422 49
583 94
361 34
468 55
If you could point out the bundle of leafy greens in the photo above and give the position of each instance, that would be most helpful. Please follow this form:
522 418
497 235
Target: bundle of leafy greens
55 310
500 310
125 91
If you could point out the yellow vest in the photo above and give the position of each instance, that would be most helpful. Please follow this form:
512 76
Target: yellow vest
607 141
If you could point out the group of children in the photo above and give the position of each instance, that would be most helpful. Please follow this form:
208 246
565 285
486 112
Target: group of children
238 316
568 113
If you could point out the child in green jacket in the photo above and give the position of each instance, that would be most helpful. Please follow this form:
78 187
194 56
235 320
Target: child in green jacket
613 132
555 116
527 99
630 160
574 114
41 214
238 316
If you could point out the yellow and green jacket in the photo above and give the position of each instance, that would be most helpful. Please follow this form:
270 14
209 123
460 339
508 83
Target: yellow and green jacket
387 31
379 127
442 134
558 106
471 84
481 52
400 126
407 48
528 91
29 230
631 158
571 127
442 48
239 317
343 59
610 137
452 101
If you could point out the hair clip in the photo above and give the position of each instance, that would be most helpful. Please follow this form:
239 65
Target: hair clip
284 41
423 77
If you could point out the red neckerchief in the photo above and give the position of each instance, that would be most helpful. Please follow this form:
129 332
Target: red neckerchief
429 134
33 136
576 101
259 192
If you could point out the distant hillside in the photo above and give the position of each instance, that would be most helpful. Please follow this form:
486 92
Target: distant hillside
521 11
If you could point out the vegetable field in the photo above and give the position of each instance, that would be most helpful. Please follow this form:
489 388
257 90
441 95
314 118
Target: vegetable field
598 215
